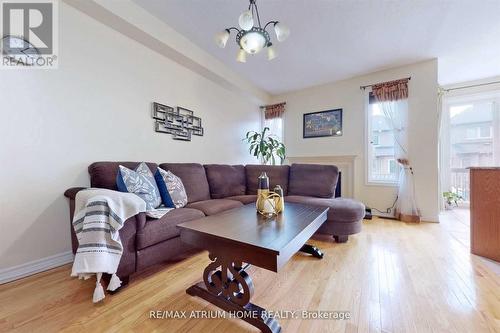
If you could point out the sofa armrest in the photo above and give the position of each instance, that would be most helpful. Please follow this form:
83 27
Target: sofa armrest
140 221
70 193
127 234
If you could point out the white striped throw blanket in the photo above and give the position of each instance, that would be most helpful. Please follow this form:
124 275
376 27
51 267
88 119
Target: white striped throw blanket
99 215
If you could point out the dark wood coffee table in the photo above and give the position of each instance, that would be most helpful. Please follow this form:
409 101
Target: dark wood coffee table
240 237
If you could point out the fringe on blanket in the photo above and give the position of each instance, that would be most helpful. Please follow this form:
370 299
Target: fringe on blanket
114 283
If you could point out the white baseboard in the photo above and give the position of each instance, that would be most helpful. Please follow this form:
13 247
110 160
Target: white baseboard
35 266
391 216
433 219
383 215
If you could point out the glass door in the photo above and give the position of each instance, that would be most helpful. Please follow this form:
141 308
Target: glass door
472 139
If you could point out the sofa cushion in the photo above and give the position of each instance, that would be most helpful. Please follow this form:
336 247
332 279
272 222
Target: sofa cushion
278 175
140 182
225 180
193 177
341 210
313 180
159 230
214 206
244 199
103 174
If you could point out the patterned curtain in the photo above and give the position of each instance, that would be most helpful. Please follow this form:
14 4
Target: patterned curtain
391 91
274 111
393 99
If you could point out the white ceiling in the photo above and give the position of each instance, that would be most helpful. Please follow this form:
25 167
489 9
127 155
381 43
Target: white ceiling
333 40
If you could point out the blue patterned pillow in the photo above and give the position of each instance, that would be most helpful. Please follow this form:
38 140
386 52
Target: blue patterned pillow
174 193
140 182
162 187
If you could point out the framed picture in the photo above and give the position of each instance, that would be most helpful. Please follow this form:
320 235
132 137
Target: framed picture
323 123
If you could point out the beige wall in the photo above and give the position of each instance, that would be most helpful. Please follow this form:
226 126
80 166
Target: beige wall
423 131
96 106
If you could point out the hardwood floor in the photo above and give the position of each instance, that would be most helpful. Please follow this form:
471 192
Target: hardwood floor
393 277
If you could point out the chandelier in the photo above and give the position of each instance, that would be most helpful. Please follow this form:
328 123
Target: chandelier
252 37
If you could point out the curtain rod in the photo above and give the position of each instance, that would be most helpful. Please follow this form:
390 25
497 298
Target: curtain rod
265 106
369 85
472 86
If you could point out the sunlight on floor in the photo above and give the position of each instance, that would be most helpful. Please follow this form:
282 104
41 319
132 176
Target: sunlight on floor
457 222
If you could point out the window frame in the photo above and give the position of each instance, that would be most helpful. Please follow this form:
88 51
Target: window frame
368 154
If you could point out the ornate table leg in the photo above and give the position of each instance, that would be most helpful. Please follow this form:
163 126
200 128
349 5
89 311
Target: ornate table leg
227 285
307 248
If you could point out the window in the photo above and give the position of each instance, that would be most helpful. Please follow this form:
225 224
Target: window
393 166
381 161
275 126
478 132
472 133
485 132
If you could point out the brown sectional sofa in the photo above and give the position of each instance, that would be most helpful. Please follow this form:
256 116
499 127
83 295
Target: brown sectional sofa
213 189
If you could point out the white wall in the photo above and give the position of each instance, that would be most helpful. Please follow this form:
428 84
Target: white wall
423 131
96 106
130 19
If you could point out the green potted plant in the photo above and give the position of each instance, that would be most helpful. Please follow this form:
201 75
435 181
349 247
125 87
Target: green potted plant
451 198
266 147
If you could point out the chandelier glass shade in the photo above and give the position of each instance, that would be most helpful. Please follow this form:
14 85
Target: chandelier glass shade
282 31
246 20
221 38
252 37
242 56
254 40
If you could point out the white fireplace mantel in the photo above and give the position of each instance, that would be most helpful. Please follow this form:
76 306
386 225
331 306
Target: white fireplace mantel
345 163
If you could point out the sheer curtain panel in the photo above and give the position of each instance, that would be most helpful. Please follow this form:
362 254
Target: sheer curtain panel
393 99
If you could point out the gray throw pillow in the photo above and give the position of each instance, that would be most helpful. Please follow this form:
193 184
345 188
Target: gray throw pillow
140 182
175 188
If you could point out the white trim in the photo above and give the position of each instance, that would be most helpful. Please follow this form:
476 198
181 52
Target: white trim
381 183
452 100
430 218
366 100
35 266
283 119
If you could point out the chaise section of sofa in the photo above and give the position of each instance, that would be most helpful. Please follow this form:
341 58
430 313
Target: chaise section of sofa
344 216
315 185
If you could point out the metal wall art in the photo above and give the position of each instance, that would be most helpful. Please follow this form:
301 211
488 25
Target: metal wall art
179 122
